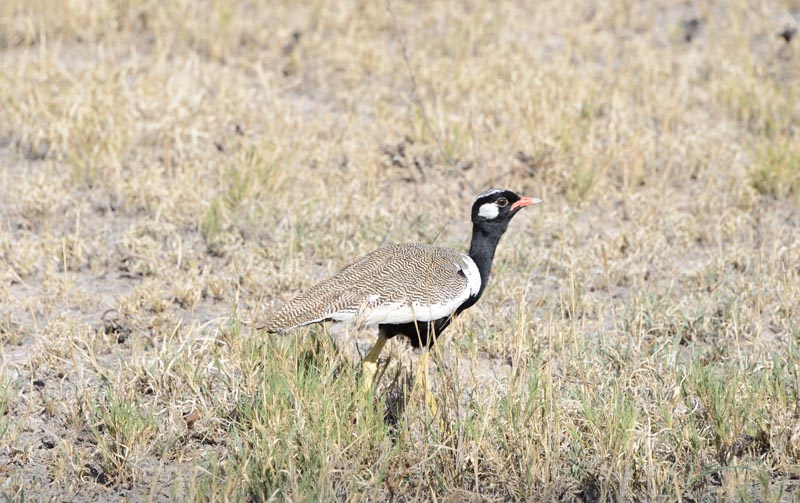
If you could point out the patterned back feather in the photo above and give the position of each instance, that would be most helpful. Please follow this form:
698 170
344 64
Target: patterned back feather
407 273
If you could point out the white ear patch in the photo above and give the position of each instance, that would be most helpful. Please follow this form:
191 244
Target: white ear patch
488 211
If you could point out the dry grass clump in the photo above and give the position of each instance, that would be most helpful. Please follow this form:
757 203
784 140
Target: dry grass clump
170 171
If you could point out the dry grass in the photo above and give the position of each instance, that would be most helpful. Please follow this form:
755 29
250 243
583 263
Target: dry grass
171 169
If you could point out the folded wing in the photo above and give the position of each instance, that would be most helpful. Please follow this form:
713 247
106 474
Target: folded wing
395 284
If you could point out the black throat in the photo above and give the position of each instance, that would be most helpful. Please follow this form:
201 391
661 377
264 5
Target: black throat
485 238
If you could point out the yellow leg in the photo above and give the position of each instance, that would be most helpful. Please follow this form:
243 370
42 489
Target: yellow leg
370 364
422 379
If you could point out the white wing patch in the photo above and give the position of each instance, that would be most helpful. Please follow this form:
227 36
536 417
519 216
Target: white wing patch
488 211
473 276
373 312
406 312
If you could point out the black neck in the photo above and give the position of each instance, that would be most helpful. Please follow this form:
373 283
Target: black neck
481 251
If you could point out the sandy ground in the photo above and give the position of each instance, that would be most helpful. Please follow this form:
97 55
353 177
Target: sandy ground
164 177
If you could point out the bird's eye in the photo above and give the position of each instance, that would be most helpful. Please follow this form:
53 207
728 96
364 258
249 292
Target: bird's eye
502 202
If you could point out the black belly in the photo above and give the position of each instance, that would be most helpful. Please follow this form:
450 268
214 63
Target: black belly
420 333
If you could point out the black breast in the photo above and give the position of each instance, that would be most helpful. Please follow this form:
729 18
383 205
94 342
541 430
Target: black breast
421 333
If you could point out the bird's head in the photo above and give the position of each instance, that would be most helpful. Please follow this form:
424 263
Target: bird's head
496 207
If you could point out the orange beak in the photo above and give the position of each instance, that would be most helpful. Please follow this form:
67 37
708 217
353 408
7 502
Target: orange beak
526 201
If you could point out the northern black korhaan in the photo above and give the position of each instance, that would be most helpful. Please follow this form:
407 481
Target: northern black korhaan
409 289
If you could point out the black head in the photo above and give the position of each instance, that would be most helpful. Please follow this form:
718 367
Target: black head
496 207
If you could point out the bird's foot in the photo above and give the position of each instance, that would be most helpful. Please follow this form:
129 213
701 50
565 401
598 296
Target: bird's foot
368 372
423 381
369 365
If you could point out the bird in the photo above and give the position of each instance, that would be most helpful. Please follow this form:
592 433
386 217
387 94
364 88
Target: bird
411 289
